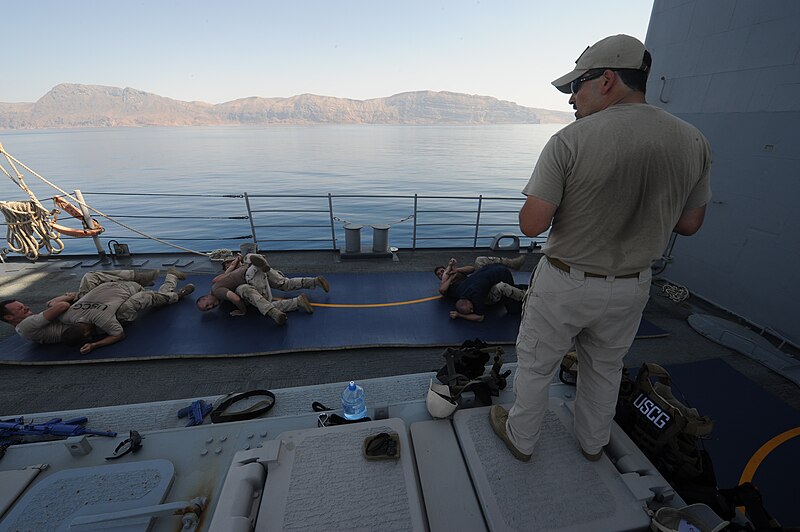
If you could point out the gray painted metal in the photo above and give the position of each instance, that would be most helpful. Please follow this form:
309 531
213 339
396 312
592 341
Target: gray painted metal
746 342
732 70
557 490
282 471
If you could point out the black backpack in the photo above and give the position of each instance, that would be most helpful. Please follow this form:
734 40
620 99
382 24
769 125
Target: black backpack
464 370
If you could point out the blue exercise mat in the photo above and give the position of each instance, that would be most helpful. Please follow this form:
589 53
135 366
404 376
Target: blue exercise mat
361 310
746 417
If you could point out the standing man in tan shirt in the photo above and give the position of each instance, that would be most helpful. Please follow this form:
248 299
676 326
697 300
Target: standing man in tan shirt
612 187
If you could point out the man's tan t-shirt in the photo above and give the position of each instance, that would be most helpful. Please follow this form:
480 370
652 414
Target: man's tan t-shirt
621 179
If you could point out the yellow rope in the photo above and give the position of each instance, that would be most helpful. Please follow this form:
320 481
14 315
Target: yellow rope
11 160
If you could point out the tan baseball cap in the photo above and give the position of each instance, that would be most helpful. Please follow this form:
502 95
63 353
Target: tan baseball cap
617 51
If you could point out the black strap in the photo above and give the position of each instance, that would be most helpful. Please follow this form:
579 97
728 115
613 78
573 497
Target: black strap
316 406
218 414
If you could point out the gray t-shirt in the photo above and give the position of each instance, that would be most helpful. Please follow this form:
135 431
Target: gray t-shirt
99 306
36 328
621 179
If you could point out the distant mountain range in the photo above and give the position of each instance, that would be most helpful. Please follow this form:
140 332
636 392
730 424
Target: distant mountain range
72 105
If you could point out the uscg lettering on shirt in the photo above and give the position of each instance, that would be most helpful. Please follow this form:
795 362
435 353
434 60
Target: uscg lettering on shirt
651 411
89 306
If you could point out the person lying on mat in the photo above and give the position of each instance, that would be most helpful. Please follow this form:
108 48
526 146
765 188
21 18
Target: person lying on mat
488 285
15 312
452 274
74 320
250 280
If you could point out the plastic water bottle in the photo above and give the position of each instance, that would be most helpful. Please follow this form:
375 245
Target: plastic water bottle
353 403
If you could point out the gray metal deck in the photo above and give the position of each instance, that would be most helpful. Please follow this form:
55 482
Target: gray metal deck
451 474
69 387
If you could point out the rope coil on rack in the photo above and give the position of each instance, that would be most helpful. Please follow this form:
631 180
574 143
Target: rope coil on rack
32 253
29 229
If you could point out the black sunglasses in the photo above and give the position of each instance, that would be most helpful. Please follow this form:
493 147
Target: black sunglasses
575 86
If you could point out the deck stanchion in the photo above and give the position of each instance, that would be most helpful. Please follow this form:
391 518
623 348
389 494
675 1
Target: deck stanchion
250 217
87 217
330 213
477 222
414 230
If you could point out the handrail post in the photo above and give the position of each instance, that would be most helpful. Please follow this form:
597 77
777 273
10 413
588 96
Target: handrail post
414 232
477 222
87 217
250 217
330 213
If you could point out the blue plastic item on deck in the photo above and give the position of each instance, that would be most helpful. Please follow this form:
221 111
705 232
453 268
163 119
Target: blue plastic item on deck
55 427
353 404
196 412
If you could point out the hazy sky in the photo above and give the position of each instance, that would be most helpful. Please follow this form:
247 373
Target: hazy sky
220 51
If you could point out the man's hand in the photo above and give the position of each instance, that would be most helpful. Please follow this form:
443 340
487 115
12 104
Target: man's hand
68 297
453 314
108 340
237 312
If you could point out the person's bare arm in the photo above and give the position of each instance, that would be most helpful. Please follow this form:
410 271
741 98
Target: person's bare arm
454 314
69 297
445 284
108 340
235 263
690 221
536 216
241 308
55 310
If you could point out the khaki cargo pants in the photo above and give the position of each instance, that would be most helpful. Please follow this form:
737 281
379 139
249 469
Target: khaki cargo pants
601 317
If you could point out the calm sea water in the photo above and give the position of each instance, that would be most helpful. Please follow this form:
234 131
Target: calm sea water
184 174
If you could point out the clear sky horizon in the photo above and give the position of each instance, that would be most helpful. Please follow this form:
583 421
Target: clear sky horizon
216 52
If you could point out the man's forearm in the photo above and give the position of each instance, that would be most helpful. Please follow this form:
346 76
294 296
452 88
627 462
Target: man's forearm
103 342
470 317
445 285
237 301
69 297
56 309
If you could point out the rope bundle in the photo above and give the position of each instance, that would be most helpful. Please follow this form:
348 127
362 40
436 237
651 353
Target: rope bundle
675 292
29 229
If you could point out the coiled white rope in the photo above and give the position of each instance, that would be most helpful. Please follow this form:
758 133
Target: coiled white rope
29 229
675 292
21 183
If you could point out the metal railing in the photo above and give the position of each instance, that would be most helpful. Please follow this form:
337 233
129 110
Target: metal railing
296 222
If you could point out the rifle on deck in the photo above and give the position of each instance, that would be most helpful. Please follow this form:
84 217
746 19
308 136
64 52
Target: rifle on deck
17 431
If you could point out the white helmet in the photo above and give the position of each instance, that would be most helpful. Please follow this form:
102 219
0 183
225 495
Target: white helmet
439 402
697 516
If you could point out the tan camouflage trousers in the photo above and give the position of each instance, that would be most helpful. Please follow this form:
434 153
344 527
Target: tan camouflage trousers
146 299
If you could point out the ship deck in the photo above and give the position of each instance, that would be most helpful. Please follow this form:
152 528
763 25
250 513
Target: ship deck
61 387
108 393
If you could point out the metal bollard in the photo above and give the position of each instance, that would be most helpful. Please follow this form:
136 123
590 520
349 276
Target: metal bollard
352 238
380 238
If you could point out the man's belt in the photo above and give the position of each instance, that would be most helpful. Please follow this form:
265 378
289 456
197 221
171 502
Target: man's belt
564 267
